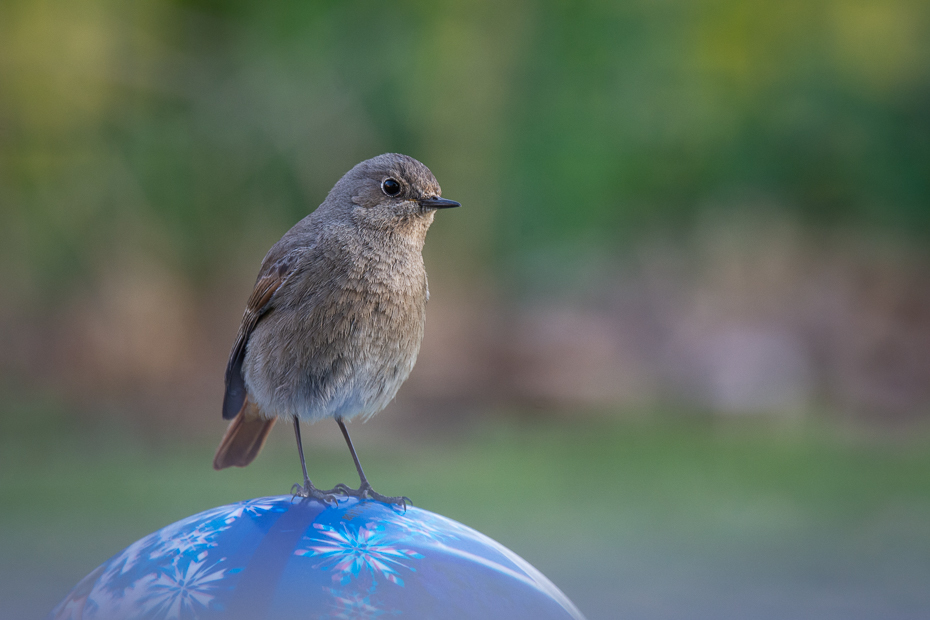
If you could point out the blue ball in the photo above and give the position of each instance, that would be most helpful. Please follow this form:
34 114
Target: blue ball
284 557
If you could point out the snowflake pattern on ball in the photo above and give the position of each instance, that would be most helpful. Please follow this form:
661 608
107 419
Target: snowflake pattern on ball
353 606
162 551
253 508
181 593
163 576
285 558
347 551
437 530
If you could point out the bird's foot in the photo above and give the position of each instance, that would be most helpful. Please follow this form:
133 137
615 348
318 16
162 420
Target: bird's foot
309 491
366 492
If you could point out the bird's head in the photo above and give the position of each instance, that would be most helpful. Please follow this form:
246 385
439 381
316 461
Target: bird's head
391 193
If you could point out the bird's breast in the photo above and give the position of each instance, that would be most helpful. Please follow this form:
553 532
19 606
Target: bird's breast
345 344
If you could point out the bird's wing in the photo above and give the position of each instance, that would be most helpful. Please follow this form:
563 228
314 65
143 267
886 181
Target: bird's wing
272 276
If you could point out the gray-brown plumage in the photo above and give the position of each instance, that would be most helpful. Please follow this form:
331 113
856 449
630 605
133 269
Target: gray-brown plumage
334 323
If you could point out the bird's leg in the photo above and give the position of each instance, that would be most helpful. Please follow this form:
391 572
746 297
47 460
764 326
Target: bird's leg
361 474
364 490
300 451
307 490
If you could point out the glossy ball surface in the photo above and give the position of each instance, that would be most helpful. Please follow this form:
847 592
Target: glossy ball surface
283 557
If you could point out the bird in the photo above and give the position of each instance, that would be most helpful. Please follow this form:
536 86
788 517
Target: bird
334 322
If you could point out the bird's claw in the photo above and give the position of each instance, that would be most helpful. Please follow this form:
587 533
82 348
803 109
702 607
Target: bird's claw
401 500
366 492
307 490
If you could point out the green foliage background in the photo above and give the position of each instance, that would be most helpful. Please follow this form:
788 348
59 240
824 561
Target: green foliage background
180 127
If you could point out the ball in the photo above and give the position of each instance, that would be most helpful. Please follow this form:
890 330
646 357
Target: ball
288 557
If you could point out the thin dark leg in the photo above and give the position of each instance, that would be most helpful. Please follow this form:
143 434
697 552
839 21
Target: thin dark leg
364 490
358 465
300 450
307 490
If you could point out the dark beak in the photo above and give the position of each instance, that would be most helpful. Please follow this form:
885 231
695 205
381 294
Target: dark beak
437 203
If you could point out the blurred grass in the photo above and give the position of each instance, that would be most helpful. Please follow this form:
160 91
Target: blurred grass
592 503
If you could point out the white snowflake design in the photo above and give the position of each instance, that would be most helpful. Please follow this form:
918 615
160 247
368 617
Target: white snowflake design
353 606
253 508
162 554
346 552
421 529
195 543
181 593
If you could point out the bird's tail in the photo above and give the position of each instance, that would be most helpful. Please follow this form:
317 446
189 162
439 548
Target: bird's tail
244 438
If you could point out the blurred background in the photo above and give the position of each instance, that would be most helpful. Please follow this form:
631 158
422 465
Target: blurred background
678 346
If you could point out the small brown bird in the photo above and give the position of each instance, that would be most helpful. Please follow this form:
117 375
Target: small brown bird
334 323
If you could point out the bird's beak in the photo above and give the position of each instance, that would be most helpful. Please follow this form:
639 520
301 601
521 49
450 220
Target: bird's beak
437 203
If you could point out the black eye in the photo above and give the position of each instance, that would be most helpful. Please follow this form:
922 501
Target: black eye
390 187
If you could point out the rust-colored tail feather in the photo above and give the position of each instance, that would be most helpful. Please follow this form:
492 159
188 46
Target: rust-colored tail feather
244 438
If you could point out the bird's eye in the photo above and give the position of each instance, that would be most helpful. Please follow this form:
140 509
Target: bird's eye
390 187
